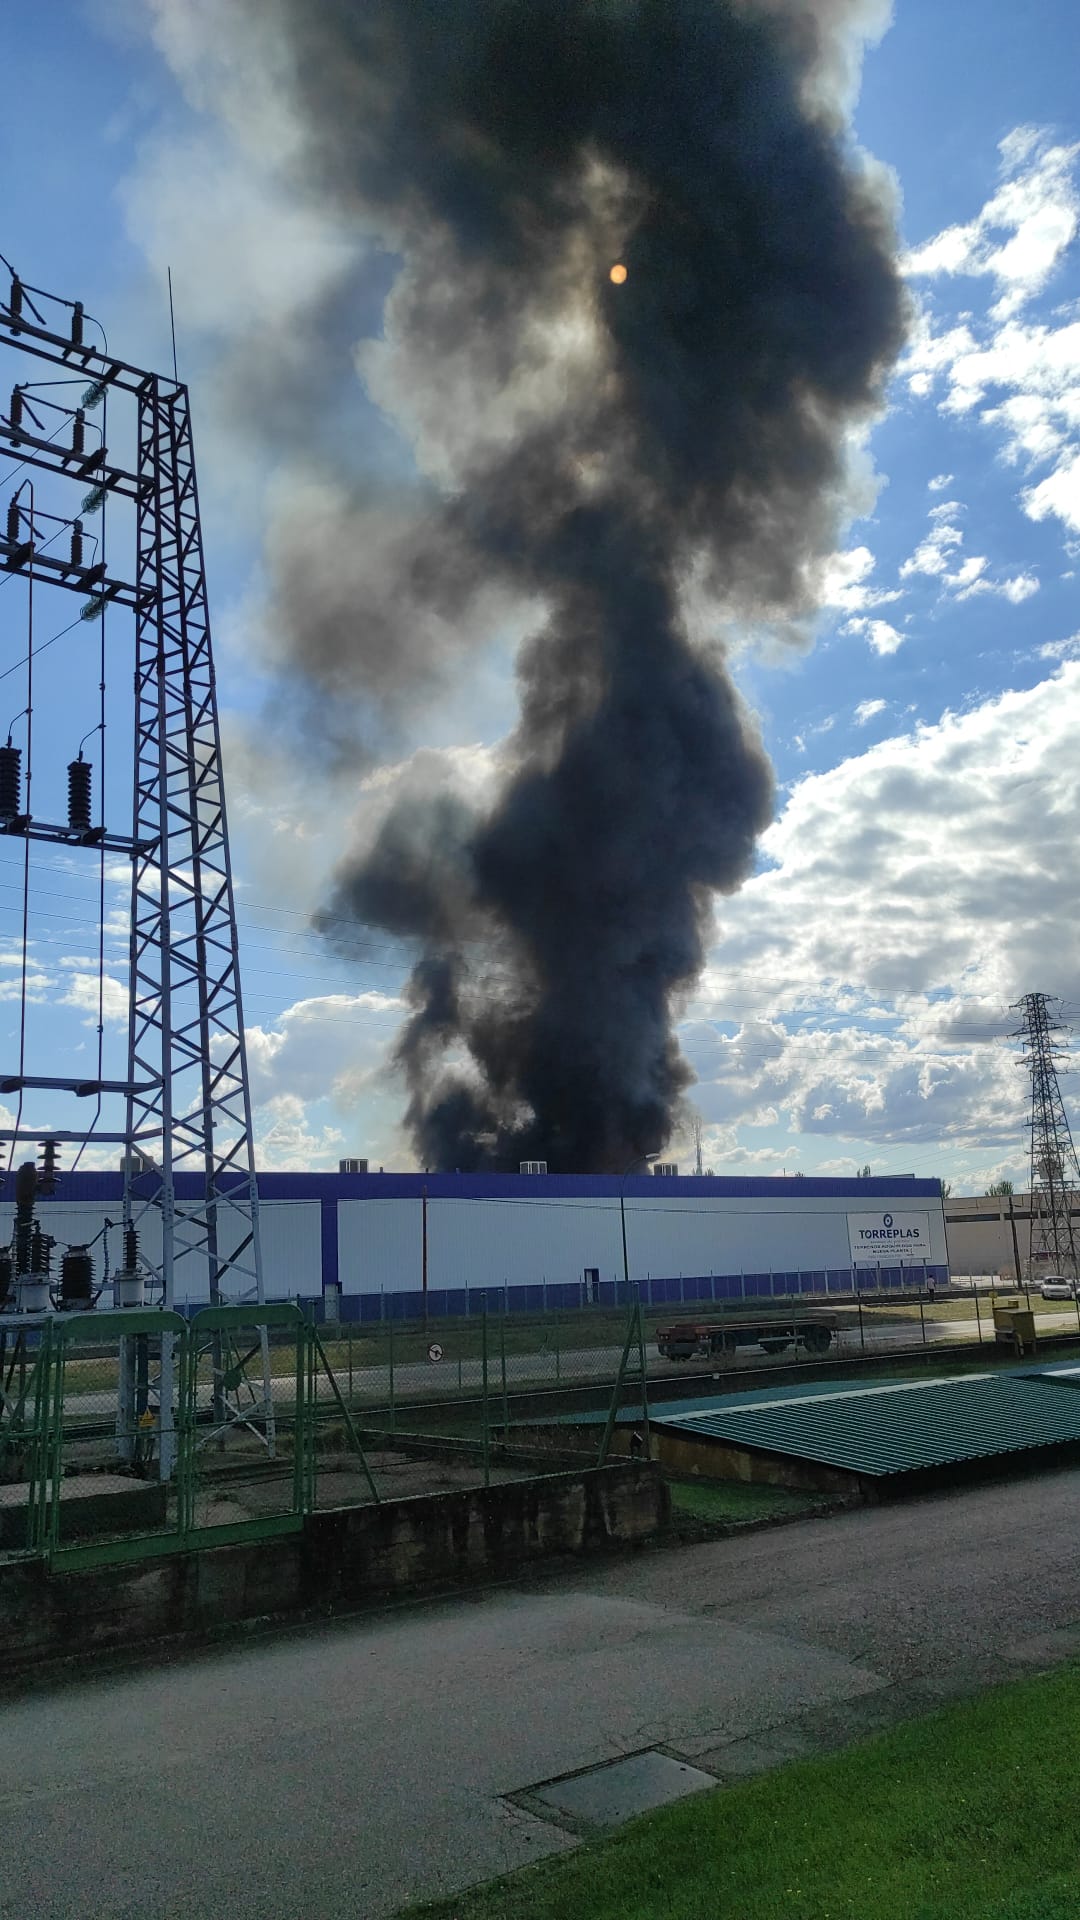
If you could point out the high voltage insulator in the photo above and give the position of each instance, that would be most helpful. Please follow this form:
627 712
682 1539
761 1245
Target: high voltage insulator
77 1278
48 1167
131 1248
76 543
77 324
78 432
1055 1173
15 413
10 781
6 1273
13 518
41 1247
79 776
15 298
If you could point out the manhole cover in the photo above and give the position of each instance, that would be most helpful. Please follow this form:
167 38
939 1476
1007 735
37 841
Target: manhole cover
617 1790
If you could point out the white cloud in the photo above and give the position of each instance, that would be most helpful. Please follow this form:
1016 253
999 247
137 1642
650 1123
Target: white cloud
82 992
868 710
1061 649
842 581
883 638
1019 236
937 557
939 482
286 1140
1018 374
1016 590
870 969
932 556
319 1048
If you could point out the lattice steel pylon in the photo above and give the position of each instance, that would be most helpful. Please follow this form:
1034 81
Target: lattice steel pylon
186 1096
1055 1173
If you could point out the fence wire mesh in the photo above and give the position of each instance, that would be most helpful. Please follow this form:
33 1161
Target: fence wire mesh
127 1432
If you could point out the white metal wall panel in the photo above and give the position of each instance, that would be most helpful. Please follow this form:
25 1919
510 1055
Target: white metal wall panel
492 1243
380 1246
488 1243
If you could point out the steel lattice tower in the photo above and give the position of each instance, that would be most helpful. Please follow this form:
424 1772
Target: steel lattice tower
185 1100
1055 1174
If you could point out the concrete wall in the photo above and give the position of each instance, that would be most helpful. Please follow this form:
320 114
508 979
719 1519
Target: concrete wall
340 1561
691 1458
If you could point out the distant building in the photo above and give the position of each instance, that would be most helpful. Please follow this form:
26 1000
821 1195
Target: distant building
980 1233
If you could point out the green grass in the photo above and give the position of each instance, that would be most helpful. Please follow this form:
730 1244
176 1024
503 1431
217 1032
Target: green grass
968 1814
731 1500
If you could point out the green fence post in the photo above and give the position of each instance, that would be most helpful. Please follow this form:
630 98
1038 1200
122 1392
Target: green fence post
502 1356
922 1320
558 1357
306 1389
349 1336
644 1377
609 1424
862 1335
484 1391
393 1415
978 1315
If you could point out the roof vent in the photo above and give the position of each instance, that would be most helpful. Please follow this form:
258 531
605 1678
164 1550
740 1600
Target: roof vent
352 1166
668 1167
532 1166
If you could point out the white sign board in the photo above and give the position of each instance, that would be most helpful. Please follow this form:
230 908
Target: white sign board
888 1239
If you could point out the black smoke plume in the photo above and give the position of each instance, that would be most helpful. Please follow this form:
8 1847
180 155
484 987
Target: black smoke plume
617 454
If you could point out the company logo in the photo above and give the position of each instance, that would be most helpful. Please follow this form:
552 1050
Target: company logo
887 1231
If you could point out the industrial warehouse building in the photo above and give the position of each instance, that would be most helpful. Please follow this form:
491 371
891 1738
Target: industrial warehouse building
374 1244
981 1235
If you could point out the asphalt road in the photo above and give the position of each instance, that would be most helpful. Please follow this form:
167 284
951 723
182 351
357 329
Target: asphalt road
581 1364
337 1772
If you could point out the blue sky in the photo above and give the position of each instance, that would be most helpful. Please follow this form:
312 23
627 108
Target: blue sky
922 871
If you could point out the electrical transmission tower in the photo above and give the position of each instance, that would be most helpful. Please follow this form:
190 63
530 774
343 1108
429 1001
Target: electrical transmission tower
101 438
1055 1174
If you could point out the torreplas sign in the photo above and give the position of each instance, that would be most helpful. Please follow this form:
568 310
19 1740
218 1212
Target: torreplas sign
893 1239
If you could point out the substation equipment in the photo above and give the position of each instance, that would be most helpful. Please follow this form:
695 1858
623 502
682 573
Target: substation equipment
94 444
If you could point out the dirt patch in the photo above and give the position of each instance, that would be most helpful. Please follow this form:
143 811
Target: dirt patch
340 1481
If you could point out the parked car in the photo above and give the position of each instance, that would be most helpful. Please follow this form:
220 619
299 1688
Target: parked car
1056 1287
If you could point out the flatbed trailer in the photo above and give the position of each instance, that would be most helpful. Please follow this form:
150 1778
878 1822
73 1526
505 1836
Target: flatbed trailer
685 1339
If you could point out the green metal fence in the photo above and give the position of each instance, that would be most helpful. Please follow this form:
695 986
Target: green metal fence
128 1434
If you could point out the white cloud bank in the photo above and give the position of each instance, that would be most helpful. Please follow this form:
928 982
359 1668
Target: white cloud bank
916 891
1018 374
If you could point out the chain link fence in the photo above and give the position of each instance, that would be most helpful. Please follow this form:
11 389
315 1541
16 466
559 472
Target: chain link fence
130 1432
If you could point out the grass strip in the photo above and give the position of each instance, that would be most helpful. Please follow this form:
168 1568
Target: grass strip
731 1500
970 1813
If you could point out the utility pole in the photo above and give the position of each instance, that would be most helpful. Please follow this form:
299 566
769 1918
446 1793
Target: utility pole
1055 1173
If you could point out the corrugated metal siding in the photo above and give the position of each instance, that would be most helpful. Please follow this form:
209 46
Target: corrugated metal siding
495 1243
893 1429
380 1246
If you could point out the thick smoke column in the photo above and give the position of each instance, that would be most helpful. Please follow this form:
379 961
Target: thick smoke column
610 451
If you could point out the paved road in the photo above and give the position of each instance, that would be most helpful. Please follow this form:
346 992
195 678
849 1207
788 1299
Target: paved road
578 1365
339 1771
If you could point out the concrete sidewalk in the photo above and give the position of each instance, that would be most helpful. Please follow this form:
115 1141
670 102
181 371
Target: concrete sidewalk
337 1772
